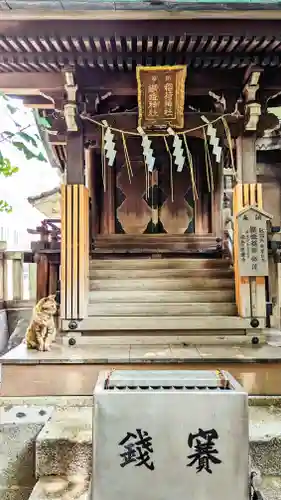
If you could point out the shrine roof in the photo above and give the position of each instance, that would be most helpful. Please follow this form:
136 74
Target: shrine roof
155 5
41 45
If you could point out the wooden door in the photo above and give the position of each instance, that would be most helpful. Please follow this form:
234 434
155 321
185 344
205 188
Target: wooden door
163 201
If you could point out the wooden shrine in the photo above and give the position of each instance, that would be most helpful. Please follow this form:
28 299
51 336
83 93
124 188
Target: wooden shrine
153 125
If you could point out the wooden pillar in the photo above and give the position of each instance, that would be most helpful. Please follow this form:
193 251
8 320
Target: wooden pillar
108 222
17 271
74 217
75 233
91 181
32 281
75 170
74 252
248 161
42 277
217 201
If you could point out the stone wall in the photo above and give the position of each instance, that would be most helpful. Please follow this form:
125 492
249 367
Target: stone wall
19 427
4 330
9 319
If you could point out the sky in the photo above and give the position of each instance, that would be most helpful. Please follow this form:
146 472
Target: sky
33 177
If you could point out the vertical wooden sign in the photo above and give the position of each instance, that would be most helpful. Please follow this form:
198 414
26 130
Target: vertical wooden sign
252 237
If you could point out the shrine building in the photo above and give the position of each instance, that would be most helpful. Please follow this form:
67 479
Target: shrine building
164 127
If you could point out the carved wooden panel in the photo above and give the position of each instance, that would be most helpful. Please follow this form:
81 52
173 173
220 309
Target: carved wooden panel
162 202
176 213
135 204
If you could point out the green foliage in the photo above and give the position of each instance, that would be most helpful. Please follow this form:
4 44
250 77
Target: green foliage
21 140
44 122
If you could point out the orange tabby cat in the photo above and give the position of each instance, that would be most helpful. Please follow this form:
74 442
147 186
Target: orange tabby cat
42 331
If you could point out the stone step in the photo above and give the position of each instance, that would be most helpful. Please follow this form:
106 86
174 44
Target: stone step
137 296
147 263
64 446
19 427
265 438
164 323
72 487
177 339
163 284
167 273
161 309
270 487
140 244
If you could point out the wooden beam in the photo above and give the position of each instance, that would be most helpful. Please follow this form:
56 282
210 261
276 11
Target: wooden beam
126 83
129 121
31 84
71 58
266 11
38 102
148 27
199 82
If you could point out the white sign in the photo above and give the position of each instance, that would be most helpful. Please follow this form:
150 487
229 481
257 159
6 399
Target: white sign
252 241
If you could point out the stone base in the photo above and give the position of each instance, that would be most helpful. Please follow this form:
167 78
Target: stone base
72 487
70 431
73 371
19 427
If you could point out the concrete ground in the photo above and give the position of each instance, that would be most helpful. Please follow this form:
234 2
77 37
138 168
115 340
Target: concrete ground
88 353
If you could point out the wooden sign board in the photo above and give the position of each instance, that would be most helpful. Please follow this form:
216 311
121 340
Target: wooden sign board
252 241
161 91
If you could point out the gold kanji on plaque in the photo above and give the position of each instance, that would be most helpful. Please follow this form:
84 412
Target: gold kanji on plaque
161 91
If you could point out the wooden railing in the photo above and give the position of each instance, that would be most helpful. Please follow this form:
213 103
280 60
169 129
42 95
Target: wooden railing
50 235
17 278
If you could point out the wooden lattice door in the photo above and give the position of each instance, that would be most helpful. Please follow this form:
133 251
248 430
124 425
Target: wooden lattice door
162 201
151 203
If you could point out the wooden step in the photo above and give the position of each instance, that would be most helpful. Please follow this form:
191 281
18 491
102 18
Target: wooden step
148 263
160 338
163 284
137 296
167 323
159 273
161 308
122 243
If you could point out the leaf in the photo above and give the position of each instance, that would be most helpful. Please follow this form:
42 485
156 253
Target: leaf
28 138
4 96
1 158
7 169
22 147
44 122
41 157
12 109
5 207
8 134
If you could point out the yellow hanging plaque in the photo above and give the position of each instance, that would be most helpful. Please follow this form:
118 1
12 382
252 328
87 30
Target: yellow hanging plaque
161 92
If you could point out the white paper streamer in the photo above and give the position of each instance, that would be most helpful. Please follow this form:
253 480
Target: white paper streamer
147 150
109 144
178 150
213 139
